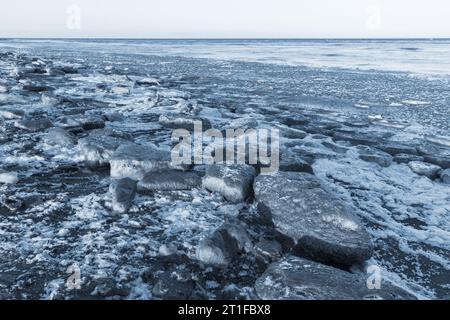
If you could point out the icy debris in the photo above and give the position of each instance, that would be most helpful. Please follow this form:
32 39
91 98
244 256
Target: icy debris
402 208
356 138
376 117
34 124
291 120
92 122
11 113
169 180
98 149
269 249
36 88
373 155
442 161
323 227
169 286
111 133
114 116
428 170
134 161
244 123
239 233
233 182
60 137
295 278
122 192
335 147
167 250
147 82
291 162
12 203
120 90
8 177
49 99
440 140
218 249
183 122
445 176
291 133
396 148
172 93
415 102
406 158
3 89
68 123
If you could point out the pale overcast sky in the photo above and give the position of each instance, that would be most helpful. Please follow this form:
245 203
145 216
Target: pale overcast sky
225 18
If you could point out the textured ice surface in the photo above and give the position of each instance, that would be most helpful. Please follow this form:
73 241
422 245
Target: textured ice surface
295 278
323 227
58 215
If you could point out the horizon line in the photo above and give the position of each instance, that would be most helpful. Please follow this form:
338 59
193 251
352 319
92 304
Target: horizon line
225 38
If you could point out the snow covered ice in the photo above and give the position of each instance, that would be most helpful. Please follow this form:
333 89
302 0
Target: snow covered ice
86 178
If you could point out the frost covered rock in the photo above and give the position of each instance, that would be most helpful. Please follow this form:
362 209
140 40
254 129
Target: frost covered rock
11 203
147 82
11 113
322 226
397 148
442 161
172 286
169 180
406 158
60 137
122 192
291 133
428 170
294 120
186 122
445 176
223 245
335 147
219 249
134 161
356 138
114 116
239 233
167 250
233 182
293 163
49 99
434 154
372 155
269 249
68 123
34 124
36 88
8 177
120 90
91 123
294 278
111 133
98 149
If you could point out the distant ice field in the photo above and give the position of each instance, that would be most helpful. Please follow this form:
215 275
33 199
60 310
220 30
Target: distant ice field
426 57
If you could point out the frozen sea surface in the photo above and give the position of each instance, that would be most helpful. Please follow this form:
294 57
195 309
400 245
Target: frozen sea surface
58 212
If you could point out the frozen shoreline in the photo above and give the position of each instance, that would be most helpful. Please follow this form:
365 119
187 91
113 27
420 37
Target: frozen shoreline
58 212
